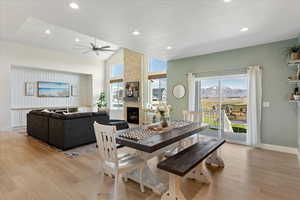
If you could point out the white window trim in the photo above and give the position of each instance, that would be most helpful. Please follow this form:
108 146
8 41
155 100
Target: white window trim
109 87
157 73
150 89
110 97
115 77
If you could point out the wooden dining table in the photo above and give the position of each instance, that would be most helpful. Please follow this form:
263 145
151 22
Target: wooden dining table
152 144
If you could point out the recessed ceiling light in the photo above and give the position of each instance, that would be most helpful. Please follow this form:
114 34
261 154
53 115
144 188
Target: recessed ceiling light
77 40
227 1
244 29
168 47
48 32
136 32
74 6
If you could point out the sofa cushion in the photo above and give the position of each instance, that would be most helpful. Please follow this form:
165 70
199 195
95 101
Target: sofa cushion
71 116
41 113
101 113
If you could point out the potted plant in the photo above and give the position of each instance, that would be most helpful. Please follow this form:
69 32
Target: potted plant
293 52
101 102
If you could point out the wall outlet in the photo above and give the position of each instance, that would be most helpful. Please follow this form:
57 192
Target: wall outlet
266 104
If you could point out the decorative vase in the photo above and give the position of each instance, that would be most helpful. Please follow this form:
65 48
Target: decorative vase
298 73
294 56
164 122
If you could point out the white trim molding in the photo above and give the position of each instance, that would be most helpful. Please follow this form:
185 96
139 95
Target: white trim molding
5 129
299 157
278 148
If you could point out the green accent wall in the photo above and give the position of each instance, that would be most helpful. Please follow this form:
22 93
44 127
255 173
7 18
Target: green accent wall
279 121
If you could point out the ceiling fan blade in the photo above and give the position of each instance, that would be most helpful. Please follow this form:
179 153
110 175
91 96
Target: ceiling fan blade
81 45
104 47
107 50
80 48
86 52
93 45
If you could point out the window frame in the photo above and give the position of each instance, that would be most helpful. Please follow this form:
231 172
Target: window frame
111 94
115 77
150 92
112 80
158 72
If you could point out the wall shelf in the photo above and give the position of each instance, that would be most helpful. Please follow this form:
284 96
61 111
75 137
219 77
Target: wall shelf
293 81
294 101
293 63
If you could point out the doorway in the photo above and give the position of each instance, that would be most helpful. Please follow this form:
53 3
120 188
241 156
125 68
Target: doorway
223 100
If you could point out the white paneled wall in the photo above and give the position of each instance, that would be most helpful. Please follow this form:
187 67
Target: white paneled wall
21 75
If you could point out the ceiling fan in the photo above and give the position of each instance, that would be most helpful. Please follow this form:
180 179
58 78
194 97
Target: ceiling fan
93 47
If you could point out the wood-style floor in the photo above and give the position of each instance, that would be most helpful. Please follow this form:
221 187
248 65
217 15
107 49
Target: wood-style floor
30 170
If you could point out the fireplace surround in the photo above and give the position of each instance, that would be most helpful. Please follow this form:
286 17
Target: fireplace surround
133 115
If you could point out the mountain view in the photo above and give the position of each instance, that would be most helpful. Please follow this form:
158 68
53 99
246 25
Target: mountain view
213 91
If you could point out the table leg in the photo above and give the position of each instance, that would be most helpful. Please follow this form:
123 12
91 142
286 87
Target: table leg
174 192
215 159
150 180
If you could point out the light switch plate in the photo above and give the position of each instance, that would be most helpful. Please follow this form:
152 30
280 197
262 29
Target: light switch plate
266 104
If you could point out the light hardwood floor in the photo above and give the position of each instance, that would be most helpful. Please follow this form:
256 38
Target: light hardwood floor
31 170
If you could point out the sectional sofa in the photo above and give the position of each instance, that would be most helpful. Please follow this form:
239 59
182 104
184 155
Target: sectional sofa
67 130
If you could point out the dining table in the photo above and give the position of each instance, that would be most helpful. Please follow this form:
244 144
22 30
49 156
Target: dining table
150 143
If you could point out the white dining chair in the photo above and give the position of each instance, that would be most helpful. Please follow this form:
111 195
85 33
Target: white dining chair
191 116
111 162
195 117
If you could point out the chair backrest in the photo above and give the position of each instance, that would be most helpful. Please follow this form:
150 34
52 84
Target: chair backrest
106 141
192 116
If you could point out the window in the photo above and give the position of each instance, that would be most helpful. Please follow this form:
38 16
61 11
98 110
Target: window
116 95
158 91
116 86
157 66
157 81
117 71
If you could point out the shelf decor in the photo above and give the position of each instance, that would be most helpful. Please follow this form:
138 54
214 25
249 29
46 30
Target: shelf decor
293 52
132 91
29 89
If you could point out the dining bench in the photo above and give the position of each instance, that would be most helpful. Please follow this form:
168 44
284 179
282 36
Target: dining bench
189 162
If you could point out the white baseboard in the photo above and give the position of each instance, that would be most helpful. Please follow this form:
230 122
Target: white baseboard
299 157
5 129
279 148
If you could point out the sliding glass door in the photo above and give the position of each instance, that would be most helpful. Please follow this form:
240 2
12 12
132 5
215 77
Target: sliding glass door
223 102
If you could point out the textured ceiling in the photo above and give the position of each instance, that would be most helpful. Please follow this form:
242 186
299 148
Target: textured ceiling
191 27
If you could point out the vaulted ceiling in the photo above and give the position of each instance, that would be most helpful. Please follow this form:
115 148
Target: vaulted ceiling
190 27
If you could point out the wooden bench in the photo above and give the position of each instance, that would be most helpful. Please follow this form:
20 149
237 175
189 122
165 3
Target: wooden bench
189 162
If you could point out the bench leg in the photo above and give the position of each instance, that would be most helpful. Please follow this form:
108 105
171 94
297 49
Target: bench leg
215 159
174 192
200 174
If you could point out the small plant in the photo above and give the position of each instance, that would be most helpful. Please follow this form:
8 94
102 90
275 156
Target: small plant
293 51
101 102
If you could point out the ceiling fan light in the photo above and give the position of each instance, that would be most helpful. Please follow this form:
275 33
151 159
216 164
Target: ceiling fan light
136 32
48 31
74 5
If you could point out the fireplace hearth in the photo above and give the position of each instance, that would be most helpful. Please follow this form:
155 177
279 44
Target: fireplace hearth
133 115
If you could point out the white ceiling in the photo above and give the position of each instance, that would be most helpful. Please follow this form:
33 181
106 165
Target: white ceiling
191 27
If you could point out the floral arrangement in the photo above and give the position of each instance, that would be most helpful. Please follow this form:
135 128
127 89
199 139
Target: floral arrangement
164 111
